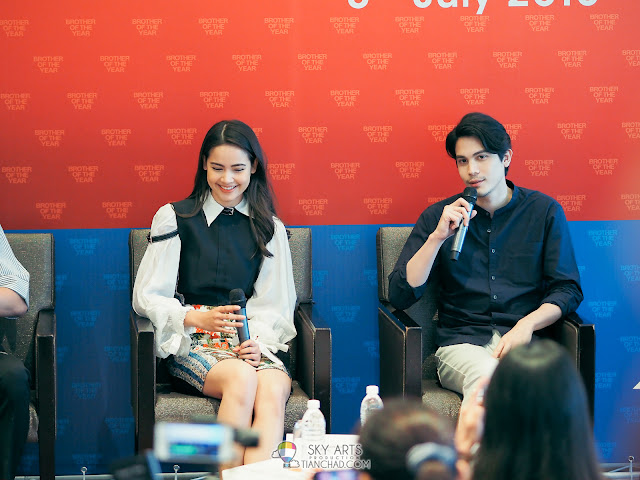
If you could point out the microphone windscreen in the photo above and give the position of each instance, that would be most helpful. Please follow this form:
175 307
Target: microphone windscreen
236 297
470 194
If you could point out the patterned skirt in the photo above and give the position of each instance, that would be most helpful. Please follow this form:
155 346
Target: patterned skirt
207 349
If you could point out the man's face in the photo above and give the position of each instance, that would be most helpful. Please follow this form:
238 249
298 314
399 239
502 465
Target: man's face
480 169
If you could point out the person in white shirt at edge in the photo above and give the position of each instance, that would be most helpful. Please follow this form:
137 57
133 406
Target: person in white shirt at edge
224 236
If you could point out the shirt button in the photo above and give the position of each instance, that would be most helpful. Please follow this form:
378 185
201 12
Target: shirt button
488 230
493 250
495 297
493 277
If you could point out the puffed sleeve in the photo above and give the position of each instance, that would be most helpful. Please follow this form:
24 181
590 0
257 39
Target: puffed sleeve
154 289
270 308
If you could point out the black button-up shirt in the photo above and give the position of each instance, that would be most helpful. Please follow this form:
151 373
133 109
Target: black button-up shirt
510 264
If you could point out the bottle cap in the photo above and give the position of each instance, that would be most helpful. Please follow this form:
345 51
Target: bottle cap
313 403
372 390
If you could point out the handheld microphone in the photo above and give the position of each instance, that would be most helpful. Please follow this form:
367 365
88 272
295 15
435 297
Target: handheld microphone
470 194
236 297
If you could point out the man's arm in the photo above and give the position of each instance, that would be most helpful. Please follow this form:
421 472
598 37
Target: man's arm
14 282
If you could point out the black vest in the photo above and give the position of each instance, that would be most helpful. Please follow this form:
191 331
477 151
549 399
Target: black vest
217 258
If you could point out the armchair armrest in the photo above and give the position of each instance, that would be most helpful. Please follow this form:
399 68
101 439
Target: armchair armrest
314 357
143 378
400 354
46 371
580 339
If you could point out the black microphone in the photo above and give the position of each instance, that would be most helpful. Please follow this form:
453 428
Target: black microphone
236 297
470 194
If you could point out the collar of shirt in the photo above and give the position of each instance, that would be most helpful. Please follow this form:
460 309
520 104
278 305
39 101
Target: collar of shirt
212 209
509 206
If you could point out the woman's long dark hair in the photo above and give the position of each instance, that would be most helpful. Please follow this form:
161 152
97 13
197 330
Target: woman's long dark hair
259 193
537 421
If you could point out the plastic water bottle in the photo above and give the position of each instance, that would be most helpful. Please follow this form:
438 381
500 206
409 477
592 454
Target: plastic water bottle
314 425
370 403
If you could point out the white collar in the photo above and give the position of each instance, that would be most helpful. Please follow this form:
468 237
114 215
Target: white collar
212 209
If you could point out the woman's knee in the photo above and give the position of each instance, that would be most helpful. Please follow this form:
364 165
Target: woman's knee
239 382
273 389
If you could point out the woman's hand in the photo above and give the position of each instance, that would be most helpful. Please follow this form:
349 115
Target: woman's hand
471 422
215 320
249 351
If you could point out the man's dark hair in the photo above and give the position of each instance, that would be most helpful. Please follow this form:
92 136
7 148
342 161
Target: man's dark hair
488 130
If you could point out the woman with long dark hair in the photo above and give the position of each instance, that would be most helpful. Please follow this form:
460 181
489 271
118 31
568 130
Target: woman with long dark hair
225 235
537 423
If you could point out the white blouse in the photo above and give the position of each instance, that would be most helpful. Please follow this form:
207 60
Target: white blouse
269 310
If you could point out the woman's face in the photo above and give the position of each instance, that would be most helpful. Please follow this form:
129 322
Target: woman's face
229 172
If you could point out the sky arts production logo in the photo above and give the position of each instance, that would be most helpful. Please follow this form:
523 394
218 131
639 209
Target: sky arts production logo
604 94
539 23
247 62
572 130
313 61
116 137
442 60
48 63
604 21
51 210
17 175
410 169
82 100
539 168
279 25
14 27
631 201
345 170
313 207
410 25
181 63
147 27
320 455
115 63
474 96
149 173
572 202
344 25
213 27
378 205
148 100
83 173
378 133
344 98
281 171
117 210
572 58
632 129
539 95
508 59
475 23
632 56
313 134
280 98
81 27
603 238
603 166
440 132
410 97
182 136
15 101
377 61
214 99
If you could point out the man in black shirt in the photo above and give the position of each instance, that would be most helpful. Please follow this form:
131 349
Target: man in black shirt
516 273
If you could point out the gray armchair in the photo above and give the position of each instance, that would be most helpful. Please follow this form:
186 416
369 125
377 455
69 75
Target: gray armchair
32 339
407 356
152 395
